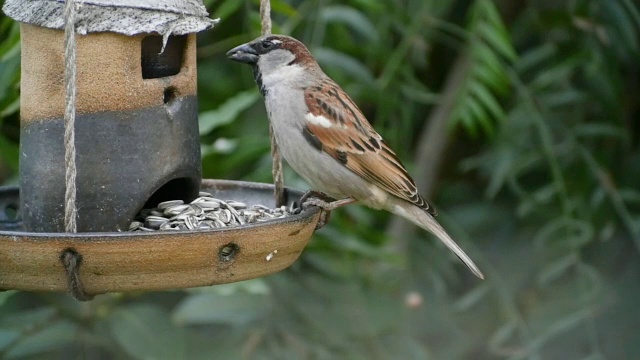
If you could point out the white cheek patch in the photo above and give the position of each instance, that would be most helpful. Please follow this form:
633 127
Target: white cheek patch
319 120
273 67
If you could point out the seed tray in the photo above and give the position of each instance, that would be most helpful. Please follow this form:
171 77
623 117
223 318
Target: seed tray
157 260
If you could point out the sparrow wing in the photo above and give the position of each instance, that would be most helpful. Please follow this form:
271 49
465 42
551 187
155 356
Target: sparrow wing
336 126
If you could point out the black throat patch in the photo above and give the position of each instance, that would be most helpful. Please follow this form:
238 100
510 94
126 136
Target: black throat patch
257 75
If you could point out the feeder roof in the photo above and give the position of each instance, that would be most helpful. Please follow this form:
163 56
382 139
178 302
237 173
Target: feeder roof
129 17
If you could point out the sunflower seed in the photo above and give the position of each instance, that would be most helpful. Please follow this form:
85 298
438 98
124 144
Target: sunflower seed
209 205
135 226
166 204
191 222
197 209
188 211
236 204
155 222
175 209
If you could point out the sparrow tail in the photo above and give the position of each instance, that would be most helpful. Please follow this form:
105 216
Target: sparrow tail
429 223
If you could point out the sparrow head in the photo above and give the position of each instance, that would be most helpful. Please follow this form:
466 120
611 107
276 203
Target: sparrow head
271 52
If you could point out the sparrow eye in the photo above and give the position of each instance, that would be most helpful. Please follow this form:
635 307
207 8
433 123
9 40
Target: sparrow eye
266 44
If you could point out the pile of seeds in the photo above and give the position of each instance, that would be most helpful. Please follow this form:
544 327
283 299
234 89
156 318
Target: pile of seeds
203 213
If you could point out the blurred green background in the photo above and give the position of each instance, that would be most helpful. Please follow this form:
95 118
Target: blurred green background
518 119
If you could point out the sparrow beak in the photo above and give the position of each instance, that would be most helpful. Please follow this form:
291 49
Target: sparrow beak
244 54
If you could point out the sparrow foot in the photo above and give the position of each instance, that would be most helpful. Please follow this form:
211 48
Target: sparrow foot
313 194
298 206
326 205
324 202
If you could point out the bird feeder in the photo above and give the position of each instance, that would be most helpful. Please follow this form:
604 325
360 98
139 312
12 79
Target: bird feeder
137 144
137 127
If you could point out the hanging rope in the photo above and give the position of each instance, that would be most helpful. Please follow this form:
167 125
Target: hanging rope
71 259
278 176
70 210
265 15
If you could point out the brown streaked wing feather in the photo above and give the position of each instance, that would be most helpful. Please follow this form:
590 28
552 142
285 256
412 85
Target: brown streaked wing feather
359 147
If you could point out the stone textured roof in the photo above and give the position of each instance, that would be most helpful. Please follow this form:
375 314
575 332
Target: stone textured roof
166 17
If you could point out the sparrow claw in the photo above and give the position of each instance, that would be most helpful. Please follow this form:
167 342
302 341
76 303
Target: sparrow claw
312 194
300 204
324 202
323 220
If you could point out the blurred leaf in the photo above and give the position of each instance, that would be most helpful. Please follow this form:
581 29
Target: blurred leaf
539 197
9 153
594 357
227 112
254 287
211 308
590 282
10 109
630 195
420 96
488 101
497 39
471 298
27 319
353 67
556 269
626 30
485 56
561 326
490 51
351 17
600 130
283 7
550 76
329 265
501 336
535 57
633 11
227 8
566 233
145 331
7 337
399 346
5 295
562 98
54 336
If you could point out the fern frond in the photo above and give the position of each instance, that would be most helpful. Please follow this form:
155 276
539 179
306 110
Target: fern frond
490 52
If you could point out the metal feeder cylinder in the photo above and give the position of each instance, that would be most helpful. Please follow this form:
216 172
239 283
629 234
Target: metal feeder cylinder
136 134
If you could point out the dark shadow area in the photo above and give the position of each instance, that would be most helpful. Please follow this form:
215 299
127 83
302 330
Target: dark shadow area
157 63
185 189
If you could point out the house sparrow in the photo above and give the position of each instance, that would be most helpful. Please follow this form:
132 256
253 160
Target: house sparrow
327 140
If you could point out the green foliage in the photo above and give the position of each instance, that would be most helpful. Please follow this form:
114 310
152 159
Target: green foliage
227 112
9 101
145 331
540 186
489 52
560 121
